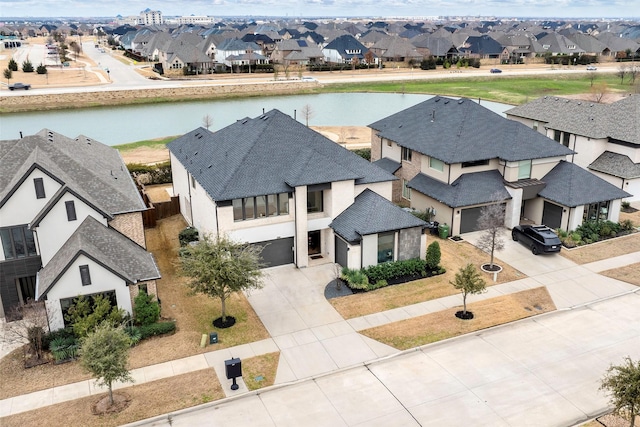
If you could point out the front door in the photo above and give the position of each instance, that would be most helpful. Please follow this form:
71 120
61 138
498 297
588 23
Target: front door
314 243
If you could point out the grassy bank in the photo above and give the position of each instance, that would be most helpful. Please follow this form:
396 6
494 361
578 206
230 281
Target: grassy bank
509 90
150 143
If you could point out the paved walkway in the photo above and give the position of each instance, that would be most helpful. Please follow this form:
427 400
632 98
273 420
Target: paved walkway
315 341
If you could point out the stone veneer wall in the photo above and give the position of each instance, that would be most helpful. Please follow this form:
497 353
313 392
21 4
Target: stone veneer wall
131 225
407 171
409 243
376 146
135 289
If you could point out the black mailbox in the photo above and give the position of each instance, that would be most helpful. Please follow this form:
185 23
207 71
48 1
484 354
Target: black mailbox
213 337
233 369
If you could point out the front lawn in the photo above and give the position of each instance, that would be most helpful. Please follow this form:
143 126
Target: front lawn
453 257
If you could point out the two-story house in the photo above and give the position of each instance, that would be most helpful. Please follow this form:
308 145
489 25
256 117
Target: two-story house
70 225
274 182
605 137
456 156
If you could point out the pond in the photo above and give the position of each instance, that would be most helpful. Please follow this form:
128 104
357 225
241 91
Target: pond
123 124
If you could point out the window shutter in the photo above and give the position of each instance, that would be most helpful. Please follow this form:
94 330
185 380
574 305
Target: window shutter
71 210
85 277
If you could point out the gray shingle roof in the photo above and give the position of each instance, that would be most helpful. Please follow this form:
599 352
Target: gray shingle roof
618 120
387 164
93 170
617 165
469 189
105 246
270 154
371 213
457 131
570 185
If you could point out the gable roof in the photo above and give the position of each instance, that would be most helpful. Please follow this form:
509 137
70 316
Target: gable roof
270 154
346 43
371 213
93 170
469 189
586 118
457 131
570 185
105 246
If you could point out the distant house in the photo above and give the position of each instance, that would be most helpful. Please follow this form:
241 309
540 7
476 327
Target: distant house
455 156
71 225
344 50
605 137
273 182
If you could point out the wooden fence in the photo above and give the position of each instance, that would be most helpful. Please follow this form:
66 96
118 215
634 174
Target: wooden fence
157 210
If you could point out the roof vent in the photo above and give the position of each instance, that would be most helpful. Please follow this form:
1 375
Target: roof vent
446 102
566 100
195 154
460 101
209 167
437 100
244 121
579 103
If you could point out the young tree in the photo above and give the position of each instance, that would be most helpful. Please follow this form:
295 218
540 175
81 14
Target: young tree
622 383
469 282
622 72
27 67
368 57
207 121
308 113
8 74
75 48
491 220
219 267
105 353
13 65
146 309
600 92
31 329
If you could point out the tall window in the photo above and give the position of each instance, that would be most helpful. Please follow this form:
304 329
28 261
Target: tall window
17 242
386 246
436 164
85 277
71 210
314 201
556 135
524 169
39 186
565 139
596 212
406 191
406 154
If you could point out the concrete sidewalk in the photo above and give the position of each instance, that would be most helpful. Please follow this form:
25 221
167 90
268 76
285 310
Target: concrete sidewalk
314 340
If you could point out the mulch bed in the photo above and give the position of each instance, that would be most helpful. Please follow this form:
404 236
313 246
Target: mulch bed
332 290
121 401
218 323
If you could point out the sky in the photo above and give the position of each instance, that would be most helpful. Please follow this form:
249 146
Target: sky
328 8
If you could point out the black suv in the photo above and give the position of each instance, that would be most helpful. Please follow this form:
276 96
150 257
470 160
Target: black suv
539 238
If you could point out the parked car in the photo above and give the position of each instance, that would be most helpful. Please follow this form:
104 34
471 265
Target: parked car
24 86
591 68
308 79
495 70
539 238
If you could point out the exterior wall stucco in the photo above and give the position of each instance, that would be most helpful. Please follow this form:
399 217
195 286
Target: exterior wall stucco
180 179
369 245
23 205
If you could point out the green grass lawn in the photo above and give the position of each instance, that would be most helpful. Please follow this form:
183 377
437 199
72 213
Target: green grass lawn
509 90
151 143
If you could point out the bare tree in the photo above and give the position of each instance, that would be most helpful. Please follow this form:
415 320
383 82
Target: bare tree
308 113
368 57
600 92
207 121
31 329
622 72
592 78
633 73
491 220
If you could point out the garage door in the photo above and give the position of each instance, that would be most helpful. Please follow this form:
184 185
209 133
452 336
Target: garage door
341 252
469 220
277 252
552 215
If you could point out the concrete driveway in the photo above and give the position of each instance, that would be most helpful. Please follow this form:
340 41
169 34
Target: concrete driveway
313 338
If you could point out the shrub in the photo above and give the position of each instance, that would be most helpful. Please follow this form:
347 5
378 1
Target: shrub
355 279
393 270
13 65
42 69
365 153
626 225
625 205
189 234
146 310
60 333
134 334
156 329
433 255
27 67
64 348
154 174
87 313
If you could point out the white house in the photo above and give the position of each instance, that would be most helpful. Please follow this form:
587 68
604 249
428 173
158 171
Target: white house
70 225
274 182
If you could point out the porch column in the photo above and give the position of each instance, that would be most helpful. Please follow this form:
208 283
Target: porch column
302 232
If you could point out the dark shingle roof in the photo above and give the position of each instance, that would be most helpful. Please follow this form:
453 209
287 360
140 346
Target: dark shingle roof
105 246
617 165
570 185
618 120
387 164
457 131
469 189
371 213
270 154
93 170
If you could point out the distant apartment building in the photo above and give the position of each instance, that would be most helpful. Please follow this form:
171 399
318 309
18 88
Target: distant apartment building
192 19
151 17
